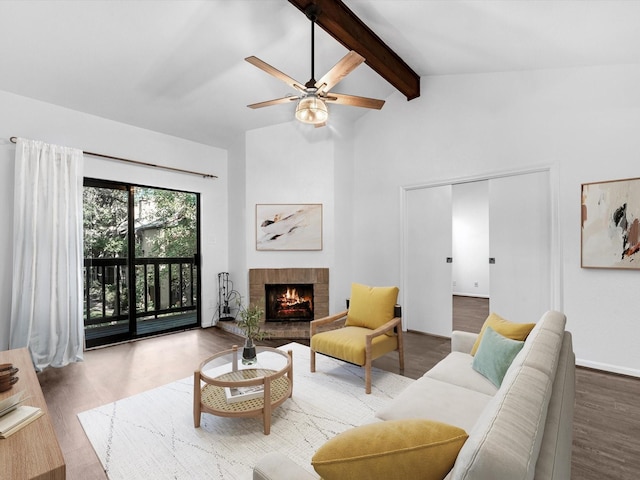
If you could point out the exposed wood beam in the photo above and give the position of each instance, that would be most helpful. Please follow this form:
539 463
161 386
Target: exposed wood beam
341 23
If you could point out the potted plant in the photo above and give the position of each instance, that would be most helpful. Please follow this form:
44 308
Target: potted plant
249 323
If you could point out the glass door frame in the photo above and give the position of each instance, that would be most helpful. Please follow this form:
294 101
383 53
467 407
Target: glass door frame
131 265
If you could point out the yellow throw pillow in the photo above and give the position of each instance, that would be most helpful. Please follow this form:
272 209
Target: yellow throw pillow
371 307
514 331
396 449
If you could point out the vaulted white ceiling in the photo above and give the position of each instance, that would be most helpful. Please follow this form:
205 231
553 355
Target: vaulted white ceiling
177 67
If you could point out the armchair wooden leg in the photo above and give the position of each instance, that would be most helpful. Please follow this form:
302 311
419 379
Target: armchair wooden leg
313 361
367 375
197 395
401 351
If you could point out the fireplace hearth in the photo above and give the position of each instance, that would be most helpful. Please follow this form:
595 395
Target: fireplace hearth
288 302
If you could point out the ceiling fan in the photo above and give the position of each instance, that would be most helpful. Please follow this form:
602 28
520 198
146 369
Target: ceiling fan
313 96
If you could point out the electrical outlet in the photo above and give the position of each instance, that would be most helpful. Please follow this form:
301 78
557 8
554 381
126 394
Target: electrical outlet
475 284
454 283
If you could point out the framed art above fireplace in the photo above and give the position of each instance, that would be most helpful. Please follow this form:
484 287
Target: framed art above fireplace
289 226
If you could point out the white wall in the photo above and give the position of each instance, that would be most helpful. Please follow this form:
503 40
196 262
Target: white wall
295 163
584 121
239 236
470 215
342 266
30 118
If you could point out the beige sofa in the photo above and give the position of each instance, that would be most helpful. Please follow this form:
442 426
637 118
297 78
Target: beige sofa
522 430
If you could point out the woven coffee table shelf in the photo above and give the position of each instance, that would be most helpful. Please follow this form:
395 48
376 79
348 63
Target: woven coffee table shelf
209 392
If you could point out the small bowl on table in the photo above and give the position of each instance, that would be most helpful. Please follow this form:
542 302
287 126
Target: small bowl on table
7 376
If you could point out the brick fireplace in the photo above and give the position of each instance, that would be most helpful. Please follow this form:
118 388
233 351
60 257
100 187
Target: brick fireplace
316 278
317 281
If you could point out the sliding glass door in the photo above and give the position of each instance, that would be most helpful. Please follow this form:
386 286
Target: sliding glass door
141 261
165 259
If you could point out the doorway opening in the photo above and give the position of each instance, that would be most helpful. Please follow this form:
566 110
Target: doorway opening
470 250
522 258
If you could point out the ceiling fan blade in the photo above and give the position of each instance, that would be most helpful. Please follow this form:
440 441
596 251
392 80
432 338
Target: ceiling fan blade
353 101
275 73
344 67
276 101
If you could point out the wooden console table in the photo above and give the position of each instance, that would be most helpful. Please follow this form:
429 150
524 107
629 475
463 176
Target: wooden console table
33 451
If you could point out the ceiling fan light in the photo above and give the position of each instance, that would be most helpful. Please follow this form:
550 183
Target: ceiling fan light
312 110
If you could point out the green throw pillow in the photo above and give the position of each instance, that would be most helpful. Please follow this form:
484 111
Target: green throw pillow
494 355
396 449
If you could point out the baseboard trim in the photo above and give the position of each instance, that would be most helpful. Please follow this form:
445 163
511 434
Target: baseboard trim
474 295
605 367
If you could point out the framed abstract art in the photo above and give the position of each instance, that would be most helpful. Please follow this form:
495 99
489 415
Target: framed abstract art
289 226
611 224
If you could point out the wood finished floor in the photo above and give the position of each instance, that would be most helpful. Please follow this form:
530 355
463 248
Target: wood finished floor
606 421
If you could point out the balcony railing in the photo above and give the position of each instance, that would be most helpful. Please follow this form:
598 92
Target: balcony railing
162 286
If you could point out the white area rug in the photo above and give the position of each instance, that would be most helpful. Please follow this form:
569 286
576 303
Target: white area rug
151 435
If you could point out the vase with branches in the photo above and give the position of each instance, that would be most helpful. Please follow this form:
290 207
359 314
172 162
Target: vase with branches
250 324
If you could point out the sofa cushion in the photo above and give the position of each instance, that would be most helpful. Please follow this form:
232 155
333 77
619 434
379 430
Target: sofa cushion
554 321
542 346
514 331
494 355
436 400
506 440
456 369
400 449
554 461
371 307
543 352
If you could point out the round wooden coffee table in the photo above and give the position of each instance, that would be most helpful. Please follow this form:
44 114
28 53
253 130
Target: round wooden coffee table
235 390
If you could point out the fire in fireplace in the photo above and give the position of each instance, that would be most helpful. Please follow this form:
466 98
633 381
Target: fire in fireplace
286 302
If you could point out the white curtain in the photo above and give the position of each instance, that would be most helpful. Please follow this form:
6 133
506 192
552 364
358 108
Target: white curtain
46 309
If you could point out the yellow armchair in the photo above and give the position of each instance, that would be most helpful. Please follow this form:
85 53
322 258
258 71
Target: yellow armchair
369 329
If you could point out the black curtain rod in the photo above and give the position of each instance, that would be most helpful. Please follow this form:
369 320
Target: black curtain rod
137 162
